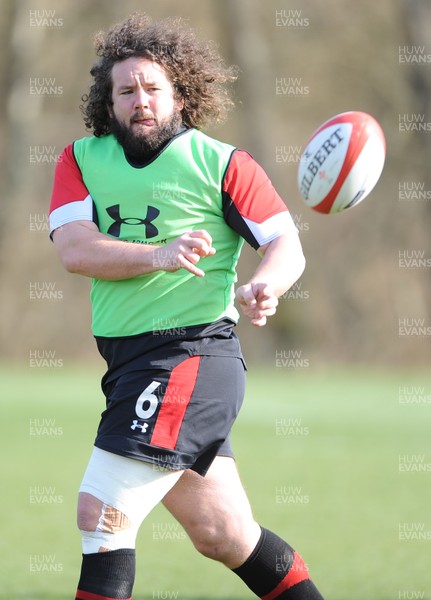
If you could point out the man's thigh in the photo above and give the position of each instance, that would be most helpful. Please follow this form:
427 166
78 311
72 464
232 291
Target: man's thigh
215 509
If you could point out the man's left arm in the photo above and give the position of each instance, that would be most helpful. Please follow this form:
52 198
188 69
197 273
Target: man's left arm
281 266
253 208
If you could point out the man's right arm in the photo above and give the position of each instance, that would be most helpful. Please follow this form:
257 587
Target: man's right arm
83 249
86 251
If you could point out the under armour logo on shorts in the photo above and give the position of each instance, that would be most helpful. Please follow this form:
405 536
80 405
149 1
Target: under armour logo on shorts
135 425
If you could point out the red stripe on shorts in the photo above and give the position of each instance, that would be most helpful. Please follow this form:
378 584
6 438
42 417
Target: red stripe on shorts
81 595
298 572
175 402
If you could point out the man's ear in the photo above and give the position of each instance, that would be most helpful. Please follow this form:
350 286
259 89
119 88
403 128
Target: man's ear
109 108
180 102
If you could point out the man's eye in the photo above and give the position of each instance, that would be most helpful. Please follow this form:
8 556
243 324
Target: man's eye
124 92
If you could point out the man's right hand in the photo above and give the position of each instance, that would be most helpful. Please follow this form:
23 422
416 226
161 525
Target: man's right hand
86 251
184 252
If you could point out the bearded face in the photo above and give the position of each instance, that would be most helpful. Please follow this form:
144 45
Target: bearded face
145 113
143 142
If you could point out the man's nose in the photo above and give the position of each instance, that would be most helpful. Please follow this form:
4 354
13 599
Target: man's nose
141 98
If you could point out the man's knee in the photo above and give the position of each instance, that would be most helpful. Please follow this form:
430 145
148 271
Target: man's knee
95 515
229 542
208 540
103 527
216 513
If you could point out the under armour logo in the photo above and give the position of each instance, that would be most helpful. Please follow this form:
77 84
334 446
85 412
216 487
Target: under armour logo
150 229
135 425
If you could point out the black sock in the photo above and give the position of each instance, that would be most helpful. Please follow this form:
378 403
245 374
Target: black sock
275 570
107 575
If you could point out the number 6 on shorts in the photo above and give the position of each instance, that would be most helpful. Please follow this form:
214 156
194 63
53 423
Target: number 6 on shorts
147 396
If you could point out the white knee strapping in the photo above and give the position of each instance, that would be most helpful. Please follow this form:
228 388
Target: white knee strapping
92 541
131 486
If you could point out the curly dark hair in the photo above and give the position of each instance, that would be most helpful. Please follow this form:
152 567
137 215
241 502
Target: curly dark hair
196 70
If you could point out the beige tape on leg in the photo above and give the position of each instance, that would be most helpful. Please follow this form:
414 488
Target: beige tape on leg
112 520
128 490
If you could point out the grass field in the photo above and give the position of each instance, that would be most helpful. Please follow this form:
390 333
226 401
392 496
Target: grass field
337 462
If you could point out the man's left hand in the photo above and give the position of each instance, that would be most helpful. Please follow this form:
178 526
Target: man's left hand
257 302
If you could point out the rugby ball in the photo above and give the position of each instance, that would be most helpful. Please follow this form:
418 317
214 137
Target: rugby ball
341 162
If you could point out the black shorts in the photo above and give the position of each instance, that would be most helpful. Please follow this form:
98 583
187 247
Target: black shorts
176 417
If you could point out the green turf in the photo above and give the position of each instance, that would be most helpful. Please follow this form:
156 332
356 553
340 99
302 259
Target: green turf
319 453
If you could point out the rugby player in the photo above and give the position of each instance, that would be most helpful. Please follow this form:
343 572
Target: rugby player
156 213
